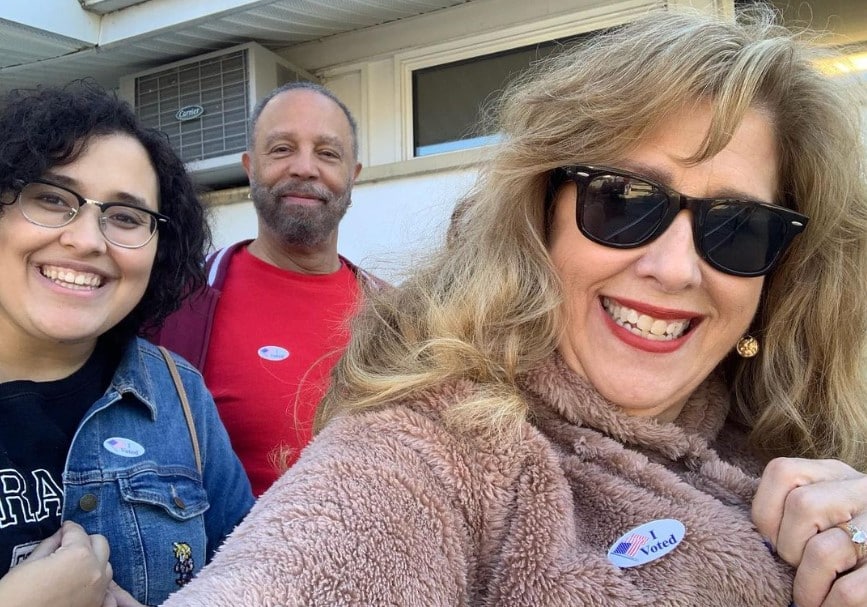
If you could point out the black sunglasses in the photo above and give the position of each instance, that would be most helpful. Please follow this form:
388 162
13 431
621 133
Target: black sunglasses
623 210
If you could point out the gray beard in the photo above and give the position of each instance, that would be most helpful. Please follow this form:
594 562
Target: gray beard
295 225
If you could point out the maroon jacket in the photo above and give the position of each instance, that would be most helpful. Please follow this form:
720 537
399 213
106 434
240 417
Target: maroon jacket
188 331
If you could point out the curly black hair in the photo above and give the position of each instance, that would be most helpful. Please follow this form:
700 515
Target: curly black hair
51 126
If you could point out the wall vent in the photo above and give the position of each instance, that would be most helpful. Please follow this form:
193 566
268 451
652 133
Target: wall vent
204 104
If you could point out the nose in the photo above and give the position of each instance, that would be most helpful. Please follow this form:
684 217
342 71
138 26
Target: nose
671 259
83 233
303 165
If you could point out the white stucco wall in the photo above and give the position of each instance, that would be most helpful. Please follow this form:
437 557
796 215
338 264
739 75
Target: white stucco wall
393 222
387 227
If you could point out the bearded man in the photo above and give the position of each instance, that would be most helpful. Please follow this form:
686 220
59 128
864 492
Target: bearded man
272 322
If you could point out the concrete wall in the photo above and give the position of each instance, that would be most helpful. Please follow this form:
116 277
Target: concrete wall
388 226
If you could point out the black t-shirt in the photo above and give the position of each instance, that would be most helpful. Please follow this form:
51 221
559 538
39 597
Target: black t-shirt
37 423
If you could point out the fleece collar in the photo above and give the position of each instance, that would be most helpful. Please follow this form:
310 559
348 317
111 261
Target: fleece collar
565 406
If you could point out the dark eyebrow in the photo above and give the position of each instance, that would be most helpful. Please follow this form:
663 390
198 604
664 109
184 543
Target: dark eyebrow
73 184
665 178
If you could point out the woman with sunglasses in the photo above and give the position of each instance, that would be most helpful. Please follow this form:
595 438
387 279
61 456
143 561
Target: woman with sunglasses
105 474
654 291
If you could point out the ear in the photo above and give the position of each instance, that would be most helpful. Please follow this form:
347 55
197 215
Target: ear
246 163
357 171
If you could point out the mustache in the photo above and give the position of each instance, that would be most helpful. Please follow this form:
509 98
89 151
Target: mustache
296 187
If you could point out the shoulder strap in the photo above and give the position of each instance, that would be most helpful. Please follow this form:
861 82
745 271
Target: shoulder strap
170 363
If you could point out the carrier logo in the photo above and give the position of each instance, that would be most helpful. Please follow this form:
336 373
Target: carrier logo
190 112
646 543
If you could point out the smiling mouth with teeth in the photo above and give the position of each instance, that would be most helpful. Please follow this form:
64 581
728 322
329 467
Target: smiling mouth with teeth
648 327
71 279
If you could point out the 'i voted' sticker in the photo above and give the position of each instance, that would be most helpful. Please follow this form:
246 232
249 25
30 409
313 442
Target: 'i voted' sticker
275 353
124 447
646 543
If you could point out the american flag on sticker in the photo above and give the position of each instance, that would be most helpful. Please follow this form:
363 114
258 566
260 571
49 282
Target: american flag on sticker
630 545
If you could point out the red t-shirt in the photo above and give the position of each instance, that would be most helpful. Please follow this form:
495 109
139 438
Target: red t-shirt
276 335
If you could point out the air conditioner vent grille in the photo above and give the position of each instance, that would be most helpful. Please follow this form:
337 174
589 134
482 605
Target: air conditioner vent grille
218 85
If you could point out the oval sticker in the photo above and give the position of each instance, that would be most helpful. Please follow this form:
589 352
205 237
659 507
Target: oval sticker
646 543
124 447
275 353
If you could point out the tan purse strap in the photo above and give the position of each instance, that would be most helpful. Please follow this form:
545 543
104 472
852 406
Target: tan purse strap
173 369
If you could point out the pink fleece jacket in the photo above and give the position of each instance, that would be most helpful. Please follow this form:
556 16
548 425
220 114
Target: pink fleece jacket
393 508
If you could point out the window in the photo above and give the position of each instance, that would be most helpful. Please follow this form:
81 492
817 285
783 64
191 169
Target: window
448 98
444 87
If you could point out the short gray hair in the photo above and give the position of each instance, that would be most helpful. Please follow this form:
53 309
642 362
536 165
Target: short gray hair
303 85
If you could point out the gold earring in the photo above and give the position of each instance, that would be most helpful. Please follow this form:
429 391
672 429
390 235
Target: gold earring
748 346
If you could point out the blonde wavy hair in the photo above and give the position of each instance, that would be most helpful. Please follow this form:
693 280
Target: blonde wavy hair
487 306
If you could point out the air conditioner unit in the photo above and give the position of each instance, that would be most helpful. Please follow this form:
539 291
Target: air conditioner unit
204 104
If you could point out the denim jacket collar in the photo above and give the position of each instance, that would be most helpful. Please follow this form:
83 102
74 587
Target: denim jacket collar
132 378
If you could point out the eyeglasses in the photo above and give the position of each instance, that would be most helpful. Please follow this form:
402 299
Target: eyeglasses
622 210
53 206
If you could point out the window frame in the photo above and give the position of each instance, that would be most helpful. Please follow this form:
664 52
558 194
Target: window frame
561 26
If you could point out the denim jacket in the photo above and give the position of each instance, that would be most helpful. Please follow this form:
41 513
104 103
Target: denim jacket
131 476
